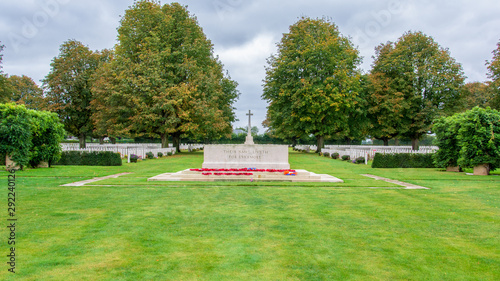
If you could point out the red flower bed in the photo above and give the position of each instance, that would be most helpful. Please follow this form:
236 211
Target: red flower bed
238 172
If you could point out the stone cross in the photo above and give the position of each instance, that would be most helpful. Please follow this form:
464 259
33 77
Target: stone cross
249 122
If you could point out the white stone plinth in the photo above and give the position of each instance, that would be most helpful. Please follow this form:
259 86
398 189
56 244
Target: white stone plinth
259 156
249 139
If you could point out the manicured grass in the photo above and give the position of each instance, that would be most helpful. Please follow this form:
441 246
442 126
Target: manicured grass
135 230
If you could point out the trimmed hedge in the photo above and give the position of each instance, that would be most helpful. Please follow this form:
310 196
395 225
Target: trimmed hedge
403 160
77 158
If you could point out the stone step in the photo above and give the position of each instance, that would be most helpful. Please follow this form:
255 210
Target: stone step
302 176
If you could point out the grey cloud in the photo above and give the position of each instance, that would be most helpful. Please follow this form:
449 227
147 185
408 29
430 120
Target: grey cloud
468 28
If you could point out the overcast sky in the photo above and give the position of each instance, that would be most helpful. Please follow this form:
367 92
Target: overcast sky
245 33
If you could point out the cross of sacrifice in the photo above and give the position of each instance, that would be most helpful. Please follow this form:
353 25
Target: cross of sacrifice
249 122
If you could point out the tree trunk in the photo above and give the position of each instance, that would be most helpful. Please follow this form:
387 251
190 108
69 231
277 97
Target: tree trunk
112 140
164 140
81 139
177 142
396 142
386 141
101 140
320 141
414 143
294 142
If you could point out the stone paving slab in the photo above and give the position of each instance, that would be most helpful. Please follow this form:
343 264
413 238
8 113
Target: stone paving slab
302 176
405 184
82 183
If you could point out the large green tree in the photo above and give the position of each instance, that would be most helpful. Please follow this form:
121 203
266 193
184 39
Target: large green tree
26 91
164 78
4 82
386 105
477 94
421 81
68 87
312 82
494 75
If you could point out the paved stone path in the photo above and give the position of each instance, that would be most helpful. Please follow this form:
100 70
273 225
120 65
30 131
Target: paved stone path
81 183
405 184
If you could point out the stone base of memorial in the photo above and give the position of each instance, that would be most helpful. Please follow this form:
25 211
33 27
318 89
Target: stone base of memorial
258 175
227 156
245 162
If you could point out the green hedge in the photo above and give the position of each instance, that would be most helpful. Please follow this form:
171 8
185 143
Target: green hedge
403 160
77 158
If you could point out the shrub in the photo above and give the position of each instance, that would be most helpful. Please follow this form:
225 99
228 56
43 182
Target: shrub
134 158
15 133
346 157
77 158
403 160
29 136
160 155
446 129
169 153
150 155
335 155
359 160
48 132
326 154
478 138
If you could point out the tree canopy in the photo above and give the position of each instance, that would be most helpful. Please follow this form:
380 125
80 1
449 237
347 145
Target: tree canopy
414 81
164 78
4 83
312 82
68 87
494 75
26 91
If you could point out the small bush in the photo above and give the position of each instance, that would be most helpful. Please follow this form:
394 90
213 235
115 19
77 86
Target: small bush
150 155
346 157
359 160
134 158
326 154
169 153
160 155
335 155
403 160
77 158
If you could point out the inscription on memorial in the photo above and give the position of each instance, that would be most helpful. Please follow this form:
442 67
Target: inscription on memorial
246 156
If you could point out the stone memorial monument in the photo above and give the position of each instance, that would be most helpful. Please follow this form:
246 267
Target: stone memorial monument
245 162
247 155
249 139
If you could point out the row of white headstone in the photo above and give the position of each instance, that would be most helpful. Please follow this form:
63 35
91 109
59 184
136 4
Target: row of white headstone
368 152
128 149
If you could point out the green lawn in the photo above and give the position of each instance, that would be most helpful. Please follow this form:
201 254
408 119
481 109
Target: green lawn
130 229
